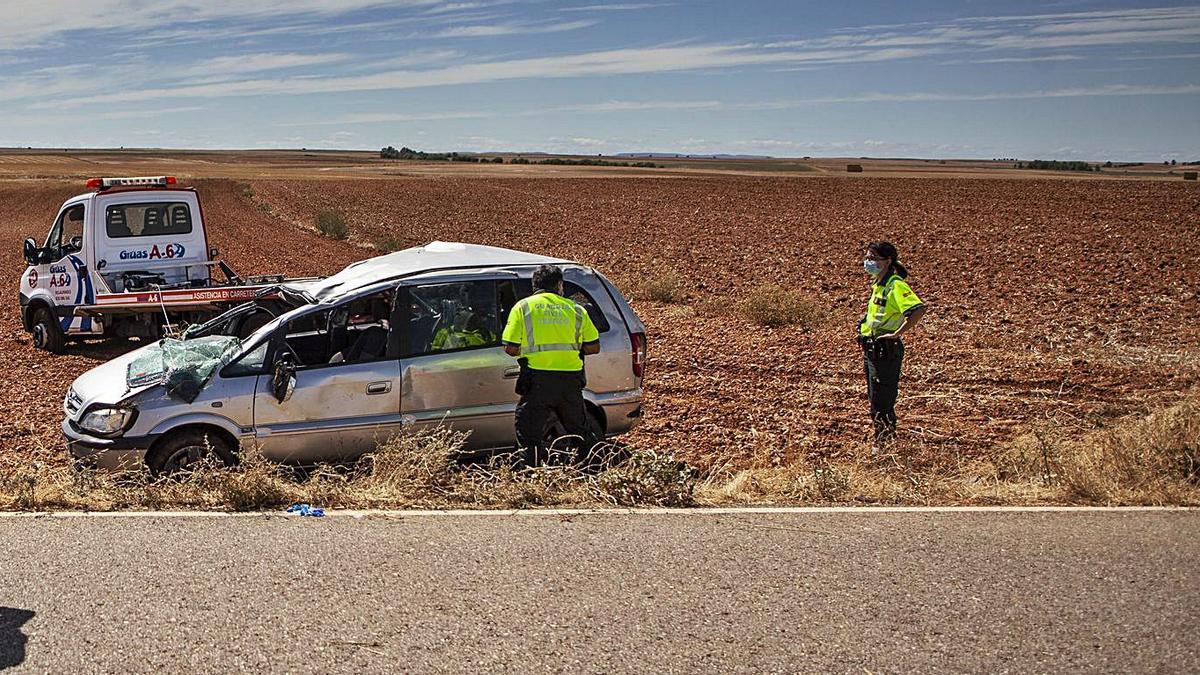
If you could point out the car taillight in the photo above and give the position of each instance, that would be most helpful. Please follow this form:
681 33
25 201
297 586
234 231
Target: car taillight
637 352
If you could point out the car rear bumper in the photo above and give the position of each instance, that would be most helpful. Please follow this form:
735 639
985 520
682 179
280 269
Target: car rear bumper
110 454
622 410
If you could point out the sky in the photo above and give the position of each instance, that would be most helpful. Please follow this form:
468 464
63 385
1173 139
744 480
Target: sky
1070 79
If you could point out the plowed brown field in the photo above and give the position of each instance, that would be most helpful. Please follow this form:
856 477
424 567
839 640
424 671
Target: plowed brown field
1048 297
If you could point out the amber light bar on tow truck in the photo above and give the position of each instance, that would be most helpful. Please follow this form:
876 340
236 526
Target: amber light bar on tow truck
152 181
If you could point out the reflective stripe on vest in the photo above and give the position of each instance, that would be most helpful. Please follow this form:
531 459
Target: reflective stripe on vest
875 320
531 345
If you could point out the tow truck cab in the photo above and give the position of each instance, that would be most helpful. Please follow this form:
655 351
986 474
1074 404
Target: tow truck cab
108 256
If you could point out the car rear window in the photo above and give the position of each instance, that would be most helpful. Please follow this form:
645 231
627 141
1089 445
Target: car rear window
147 220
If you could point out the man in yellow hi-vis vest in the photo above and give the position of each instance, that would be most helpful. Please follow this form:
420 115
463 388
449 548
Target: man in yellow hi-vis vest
552 334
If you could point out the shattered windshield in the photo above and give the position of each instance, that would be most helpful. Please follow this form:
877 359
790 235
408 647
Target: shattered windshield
183 366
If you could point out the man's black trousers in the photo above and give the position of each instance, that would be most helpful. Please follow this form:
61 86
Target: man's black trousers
560 393
881 362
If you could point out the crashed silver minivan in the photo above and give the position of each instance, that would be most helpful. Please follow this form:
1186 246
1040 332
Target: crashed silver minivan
324 370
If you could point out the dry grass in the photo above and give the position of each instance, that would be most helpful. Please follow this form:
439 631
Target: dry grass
1136 460
332 224
1148 460
411 470
388 244
665 287
774 306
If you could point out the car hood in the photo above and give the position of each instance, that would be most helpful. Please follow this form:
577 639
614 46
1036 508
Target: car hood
183 367
106 383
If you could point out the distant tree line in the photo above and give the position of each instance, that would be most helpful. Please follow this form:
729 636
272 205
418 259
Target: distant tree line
587 161
1055 165
408 153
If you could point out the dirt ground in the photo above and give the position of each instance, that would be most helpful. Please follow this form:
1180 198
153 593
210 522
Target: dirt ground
1050 299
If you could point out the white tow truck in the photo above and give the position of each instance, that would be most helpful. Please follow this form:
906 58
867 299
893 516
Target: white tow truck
129 258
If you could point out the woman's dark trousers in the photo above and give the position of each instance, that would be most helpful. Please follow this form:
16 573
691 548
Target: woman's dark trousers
881 362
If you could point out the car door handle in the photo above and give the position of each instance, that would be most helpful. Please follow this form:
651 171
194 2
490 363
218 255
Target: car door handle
510 373
379 388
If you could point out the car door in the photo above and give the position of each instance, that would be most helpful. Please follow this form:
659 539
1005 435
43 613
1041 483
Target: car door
66 277
453 370
341 406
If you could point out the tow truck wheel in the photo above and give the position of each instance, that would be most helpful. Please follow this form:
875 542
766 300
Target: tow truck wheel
182 452
46 332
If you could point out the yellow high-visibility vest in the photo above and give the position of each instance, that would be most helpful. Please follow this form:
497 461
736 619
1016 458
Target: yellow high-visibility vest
550 330
889 302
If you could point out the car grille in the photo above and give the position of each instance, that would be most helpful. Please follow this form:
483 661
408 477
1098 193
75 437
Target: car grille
72 402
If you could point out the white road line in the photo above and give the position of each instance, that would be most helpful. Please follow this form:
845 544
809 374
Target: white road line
705 511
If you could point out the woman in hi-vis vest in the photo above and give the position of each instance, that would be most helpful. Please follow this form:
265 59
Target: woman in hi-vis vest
894 309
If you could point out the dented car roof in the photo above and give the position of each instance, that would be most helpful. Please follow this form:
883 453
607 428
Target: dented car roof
435 256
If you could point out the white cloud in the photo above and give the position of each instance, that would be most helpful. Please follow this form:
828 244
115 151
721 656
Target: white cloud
251 63
382 118
605 107
586 142
613 7
918 97
602 63
492 30
1019 59
28 23
1155 57
138 114
1026 32
622 106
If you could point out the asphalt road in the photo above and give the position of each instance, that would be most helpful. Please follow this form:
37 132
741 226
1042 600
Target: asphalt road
614 593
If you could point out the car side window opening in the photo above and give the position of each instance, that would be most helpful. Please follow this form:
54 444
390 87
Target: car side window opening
252 362
361 330
306 338
576 293
147 220
457 315
67 234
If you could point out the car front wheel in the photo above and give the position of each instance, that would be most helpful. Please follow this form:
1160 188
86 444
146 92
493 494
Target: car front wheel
182 452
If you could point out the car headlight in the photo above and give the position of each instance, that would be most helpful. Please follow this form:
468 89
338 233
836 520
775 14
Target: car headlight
107 421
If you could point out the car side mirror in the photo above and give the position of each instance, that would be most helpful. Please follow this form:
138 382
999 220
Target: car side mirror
213 253
283 378
33 254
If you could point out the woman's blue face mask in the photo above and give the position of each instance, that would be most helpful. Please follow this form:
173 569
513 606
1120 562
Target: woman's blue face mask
871 266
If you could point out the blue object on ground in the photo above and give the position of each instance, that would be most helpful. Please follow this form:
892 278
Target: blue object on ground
306 510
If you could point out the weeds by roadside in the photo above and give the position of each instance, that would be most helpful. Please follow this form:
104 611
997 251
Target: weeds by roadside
1153 459
665 286
332 224
388 244
774 306
415 470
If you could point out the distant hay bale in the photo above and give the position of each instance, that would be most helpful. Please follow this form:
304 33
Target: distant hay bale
854 168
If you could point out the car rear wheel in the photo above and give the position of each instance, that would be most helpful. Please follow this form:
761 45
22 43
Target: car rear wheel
563 448
47 334
182 452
